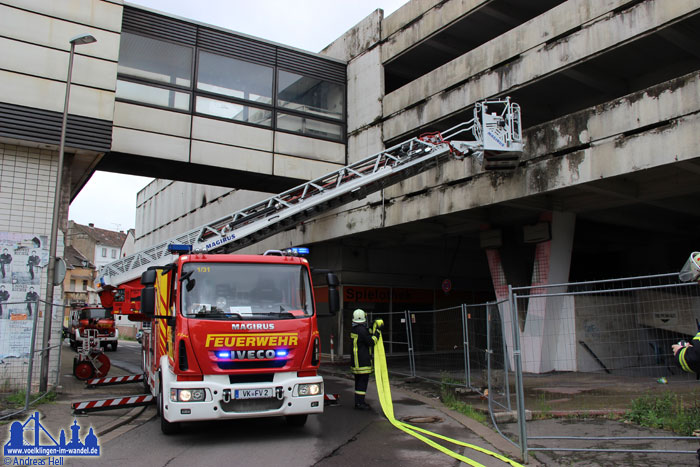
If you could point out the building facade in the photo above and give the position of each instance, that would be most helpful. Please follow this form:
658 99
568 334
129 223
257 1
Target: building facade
609 96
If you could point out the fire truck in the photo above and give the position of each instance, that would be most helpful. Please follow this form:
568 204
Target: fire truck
99 319
235 336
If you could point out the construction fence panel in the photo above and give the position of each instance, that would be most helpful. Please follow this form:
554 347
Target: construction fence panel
396 343
436 342
22 355
463 350
601 348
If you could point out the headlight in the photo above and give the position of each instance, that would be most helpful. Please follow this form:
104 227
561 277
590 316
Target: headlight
187 395
311 389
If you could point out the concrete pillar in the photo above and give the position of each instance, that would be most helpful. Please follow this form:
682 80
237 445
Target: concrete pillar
548 340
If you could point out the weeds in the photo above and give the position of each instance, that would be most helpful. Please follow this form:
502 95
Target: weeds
447 396
667 411
18 398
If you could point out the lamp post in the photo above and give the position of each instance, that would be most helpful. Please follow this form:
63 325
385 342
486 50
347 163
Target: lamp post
43 381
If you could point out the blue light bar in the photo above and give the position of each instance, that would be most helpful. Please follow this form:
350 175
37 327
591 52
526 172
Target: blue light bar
282 353
300 250
223 354
179 249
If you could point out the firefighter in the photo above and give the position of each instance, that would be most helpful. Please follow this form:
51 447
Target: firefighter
687 355
362 343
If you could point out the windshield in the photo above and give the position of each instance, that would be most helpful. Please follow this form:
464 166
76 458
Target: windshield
239 291
95 313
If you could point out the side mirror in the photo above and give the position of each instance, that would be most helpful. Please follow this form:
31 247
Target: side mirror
148 301
149 277
333 293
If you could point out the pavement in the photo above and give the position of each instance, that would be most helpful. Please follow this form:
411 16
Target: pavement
424 411
420 405
57 415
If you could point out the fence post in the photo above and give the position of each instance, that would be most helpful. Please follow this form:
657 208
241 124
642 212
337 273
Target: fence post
60 349
465 339
31 357
488 355
518 372
506 361
409 338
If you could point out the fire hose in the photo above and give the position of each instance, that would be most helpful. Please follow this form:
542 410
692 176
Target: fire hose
384 391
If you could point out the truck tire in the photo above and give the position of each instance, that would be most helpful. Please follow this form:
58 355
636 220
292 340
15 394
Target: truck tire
296 420
83 370
114 346
168 428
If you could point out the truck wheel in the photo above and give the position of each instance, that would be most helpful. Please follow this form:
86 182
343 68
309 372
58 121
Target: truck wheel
296 420
168 428
84 370
114 346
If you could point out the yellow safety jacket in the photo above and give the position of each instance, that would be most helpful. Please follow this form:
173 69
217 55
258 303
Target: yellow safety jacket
362 344
689 357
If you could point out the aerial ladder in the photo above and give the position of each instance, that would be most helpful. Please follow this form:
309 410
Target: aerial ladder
493 136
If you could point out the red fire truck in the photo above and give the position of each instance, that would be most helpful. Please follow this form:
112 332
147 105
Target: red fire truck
96 318
233 336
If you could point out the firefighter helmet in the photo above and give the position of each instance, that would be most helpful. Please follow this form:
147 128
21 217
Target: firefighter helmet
358 316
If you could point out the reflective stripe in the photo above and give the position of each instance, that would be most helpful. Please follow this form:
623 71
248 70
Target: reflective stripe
356 364
681 359
361 393
361 370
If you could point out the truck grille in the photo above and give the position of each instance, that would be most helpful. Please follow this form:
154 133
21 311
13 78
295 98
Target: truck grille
251 405
251 365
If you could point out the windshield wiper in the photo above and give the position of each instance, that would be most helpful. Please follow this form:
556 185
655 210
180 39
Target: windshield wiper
277 314
215 315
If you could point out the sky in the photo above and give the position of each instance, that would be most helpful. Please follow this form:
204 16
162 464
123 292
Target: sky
109 200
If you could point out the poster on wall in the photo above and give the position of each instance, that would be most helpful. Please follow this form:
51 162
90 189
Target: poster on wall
23 257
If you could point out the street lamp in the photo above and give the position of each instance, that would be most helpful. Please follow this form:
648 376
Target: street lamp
43 382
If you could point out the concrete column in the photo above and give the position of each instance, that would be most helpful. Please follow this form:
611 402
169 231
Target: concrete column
548 339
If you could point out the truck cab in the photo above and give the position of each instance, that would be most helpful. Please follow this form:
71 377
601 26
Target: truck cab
97 318
234 336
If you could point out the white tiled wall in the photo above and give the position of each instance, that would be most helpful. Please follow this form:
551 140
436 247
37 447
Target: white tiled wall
27 177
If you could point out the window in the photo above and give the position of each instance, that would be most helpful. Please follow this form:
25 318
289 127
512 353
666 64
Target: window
310 95
114 253
84 285
210 73
308 126
72 285
104 252
145 59
155 60
234 78
153 95
233 111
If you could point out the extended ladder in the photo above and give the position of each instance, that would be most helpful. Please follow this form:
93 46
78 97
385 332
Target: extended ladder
497 141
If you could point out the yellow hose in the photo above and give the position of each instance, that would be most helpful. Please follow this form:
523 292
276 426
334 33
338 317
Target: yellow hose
382 376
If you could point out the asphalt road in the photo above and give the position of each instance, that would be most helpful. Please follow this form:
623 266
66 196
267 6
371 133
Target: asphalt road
341 436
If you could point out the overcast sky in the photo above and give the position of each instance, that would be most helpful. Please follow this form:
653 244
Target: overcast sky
109 200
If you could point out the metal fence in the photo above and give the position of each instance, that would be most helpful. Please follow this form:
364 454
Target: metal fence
22 355
601 345
564 351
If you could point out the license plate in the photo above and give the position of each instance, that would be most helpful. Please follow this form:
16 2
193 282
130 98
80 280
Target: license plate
261 393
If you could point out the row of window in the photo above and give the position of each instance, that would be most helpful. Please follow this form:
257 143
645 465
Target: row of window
104 253
160 73
73 287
